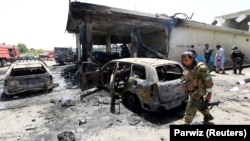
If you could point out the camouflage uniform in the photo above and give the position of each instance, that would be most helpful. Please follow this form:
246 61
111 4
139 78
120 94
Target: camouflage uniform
237 59
197 81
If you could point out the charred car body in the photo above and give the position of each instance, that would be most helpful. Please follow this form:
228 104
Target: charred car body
64 55
27 75
148 83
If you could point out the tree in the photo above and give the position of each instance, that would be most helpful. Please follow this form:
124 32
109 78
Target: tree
22 48
36 52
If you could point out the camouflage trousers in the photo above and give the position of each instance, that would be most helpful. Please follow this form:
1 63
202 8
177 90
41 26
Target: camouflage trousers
237 64
194 105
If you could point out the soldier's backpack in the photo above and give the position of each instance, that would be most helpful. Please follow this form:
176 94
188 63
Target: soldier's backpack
236 53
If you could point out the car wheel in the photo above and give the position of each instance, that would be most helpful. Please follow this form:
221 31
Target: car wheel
61 63
3 63
132 102
49 90
4 97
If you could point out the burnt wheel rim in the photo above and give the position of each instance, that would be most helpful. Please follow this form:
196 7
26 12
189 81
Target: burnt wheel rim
131 101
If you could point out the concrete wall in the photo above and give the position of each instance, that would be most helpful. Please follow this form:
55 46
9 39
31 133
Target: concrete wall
184 36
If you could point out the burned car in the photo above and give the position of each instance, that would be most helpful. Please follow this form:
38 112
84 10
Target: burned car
148 83
27 76
101 58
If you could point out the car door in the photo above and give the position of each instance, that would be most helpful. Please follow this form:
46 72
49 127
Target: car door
91 75
171 88
108 72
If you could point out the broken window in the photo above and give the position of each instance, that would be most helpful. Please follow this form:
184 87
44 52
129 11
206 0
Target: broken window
168 72
122 76
123 71
139 72
27 71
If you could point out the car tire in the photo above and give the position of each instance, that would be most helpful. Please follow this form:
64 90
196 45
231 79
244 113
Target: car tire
61 63
49 90
132 102
4 97
3 63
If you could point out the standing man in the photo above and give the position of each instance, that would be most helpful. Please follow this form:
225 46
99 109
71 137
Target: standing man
207 54
237 58
125 53
197 84
219 60
193 50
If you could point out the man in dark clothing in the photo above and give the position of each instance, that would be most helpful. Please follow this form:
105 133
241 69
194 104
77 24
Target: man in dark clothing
125 53
193 50
237 58
207 54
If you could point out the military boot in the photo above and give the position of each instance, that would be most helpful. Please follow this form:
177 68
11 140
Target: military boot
235 72
223 72
207 118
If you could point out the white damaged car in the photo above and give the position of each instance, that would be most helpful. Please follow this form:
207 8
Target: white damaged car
27 76
147 83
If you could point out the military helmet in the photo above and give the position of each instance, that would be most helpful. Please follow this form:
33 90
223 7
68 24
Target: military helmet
234 47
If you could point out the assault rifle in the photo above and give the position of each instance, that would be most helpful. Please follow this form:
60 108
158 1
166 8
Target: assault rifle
209 105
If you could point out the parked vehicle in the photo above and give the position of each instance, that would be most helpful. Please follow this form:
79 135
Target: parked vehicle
8 53
148 83
64 55
27 75
47 55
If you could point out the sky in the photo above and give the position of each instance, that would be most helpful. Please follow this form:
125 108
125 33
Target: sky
41 24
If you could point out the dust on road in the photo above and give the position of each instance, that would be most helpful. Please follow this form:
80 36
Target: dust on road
90 116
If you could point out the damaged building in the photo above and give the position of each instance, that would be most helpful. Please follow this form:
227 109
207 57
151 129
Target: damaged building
153 35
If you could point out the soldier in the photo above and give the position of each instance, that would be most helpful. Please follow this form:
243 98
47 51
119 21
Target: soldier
197 84
207 54
237 58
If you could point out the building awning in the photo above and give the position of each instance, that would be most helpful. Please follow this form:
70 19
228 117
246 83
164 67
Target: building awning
111 21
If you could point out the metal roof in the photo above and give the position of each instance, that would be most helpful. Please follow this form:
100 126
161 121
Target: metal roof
147 61
234 15
111 21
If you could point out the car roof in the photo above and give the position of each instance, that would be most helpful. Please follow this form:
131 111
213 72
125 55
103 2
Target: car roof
147 61
26 64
